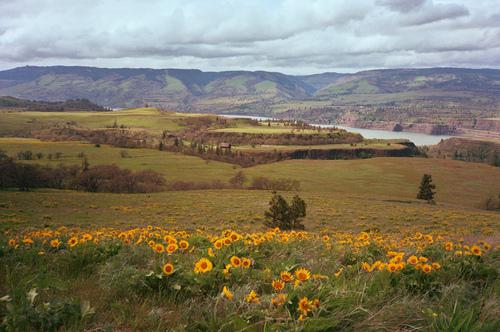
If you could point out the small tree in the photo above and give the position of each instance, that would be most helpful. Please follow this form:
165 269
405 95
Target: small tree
426 189
283 215
85 164
3 155
238 179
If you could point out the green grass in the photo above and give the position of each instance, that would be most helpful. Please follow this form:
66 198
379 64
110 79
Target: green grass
259 148
174 85
459 183
148 118
215 210
174 166
263 128
266 87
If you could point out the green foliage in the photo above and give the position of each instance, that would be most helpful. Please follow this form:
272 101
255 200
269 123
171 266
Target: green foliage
283 215
29 314
238 180
426 189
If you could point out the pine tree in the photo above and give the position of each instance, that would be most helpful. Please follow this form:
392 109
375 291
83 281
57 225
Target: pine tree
426 189
283 215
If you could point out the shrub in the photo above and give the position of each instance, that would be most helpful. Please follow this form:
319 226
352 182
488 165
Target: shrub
263 183
25 155
111 178
491 203
283 215
124 154
238 179
3 155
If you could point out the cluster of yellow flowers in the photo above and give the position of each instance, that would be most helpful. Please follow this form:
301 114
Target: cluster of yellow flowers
204 252
397 263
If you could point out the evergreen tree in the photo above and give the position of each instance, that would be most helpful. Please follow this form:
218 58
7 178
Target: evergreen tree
283 215
426 189
161 146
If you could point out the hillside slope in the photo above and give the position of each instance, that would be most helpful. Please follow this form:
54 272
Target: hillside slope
455 96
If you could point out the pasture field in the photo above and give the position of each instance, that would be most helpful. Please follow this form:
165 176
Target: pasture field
215 210
173 166
365 145
144 118
458 183
372 257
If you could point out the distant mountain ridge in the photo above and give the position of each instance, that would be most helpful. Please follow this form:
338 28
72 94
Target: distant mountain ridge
389 94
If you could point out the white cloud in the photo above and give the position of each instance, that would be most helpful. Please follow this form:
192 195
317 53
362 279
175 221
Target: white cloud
288 35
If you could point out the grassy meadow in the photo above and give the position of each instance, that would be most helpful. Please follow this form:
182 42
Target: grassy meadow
372 257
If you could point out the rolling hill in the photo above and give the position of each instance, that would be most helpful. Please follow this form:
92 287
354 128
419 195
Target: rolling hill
454 96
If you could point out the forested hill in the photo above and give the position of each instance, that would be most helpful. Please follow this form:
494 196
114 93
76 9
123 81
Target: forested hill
71 105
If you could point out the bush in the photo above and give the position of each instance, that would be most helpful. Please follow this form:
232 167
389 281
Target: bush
3 155
124 154
263 183
25 155
111 178
238 180
491 203
104 178
283 215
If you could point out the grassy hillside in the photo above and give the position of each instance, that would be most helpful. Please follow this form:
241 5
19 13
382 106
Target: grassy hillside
432 95
372 256
174 166
459 183
149 118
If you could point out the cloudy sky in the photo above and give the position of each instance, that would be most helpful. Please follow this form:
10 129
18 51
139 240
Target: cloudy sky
291 36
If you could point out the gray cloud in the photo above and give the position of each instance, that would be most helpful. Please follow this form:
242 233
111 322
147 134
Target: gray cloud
287 35
402 6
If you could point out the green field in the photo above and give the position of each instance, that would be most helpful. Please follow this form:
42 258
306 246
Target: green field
174 166
215 210
364 145
80 261
458 183
245 126
149 118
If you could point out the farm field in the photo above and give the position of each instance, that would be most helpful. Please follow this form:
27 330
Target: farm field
149 118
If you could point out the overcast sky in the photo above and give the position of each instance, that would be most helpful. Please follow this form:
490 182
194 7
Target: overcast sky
291 36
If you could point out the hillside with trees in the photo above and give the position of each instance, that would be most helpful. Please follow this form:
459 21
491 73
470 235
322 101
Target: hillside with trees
413 99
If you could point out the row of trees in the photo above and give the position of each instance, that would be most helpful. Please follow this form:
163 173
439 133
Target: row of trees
100 178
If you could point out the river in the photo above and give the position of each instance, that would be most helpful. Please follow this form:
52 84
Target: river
417 138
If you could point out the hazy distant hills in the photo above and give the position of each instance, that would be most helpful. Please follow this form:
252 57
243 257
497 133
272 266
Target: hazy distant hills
330 94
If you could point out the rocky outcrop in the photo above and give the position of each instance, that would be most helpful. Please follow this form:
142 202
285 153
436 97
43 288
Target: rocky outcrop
409 150
424 128
334 137
492 124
